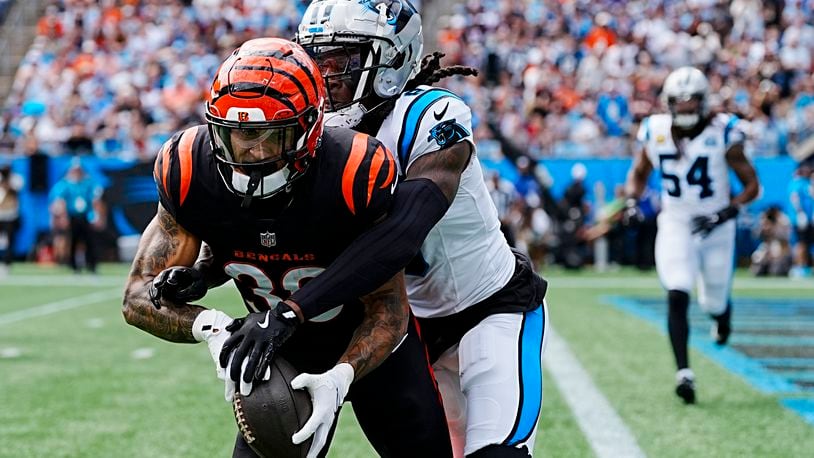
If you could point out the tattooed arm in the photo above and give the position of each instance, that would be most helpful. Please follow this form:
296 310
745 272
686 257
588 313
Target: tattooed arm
163 244
382 328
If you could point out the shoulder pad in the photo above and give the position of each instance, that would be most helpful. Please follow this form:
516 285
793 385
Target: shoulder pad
432 119
368 169
173 168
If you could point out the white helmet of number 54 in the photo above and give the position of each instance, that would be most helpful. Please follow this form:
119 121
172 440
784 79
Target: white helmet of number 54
686 95
367 51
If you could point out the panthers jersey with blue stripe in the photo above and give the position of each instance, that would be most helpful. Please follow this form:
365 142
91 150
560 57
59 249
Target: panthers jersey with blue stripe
695 174
465 257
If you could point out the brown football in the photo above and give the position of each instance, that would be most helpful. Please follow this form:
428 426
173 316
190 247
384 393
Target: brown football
273 412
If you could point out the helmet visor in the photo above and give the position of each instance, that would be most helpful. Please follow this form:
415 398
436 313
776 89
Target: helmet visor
245 147
344 68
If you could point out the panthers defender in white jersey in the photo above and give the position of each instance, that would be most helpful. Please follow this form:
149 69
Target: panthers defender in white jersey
480 305
694 151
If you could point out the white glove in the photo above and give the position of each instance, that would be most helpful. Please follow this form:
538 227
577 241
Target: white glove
245 388
210 327
328 391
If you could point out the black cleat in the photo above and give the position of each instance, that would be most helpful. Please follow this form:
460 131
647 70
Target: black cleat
685 386
720 332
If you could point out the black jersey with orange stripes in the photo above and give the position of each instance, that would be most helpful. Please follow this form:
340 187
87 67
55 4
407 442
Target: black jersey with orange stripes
275 245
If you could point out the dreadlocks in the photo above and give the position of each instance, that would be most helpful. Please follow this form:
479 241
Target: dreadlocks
431 72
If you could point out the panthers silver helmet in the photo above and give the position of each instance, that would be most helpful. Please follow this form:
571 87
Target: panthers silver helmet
367 51
681 87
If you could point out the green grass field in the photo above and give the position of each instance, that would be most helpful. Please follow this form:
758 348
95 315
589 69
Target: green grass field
77 381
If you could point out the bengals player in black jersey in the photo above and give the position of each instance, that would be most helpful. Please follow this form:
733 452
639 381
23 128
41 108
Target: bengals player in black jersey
269 199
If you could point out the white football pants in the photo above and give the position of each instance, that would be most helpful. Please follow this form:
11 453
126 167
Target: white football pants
683 258
492 382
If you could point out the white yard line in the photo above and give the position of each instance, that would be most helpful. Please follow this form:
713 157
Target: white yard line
59 306
646 283
605 431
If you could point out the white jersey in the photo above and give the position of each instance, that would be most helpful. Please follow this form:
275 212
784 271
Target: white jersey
466 257
696 179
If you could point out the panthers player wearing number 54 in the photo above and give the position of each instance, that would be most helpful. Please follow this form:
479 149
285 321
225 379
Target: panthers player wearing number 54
276 198
694 151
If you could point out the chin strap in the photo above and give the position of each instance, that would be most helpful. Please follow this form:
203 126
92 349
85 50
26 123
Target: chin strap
254 182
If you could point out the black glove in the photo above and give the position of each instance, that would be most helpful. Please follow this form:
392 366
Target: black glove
178 284
256 337
704 224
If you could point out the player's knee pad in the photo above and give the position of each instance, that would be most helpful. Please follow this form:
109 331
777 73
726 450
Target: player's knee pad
501 451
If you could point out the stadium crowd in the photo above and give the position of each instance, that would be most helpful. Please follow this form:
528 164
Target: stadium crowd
557 79
115 78
574 78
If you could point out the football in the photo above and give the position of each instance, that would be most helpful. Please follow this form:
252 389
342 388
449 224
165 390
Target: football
273 412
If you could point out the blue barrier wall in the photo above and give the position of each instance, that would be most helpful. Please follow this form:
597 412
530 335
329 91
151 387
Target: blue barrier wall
34 207
774 173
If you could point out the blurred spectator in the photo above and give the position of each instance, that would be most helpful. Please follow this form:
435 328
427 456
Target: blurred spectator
79 197
574 208
526 184
801 211
503 195
773 255
79 142
9 216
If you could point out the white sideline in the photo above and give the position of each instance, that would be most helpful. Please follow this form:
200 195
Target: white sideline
58 306
605 431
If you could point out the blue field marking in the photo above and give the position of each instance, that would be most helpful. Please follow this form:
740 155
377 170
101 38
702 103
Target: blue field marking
774 373
803 407
787 362
774 341
749 323
797 376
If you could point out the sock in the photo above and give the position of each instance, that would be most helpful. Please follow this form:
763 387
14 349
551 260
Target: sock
678 326
724 319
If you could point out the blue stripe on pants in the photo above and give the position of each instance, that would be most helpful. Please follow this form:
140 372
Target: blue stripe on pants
531 376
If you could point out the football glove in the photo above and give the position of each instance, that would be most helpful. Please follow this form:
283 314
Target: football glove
704 224
254 340
328 391
631 214
177 284
210 326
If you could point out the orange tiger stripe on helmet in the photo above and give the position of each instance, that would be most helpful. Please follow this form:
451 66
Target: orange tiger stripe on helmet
185 157
357 154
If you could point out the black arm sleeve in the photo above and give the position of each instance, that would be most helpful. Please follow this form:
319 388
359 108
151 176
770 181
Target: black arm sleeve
378 254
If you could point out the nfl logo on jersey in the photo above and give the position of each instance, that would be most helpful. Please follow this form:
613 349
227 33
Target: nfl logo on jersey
268 239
